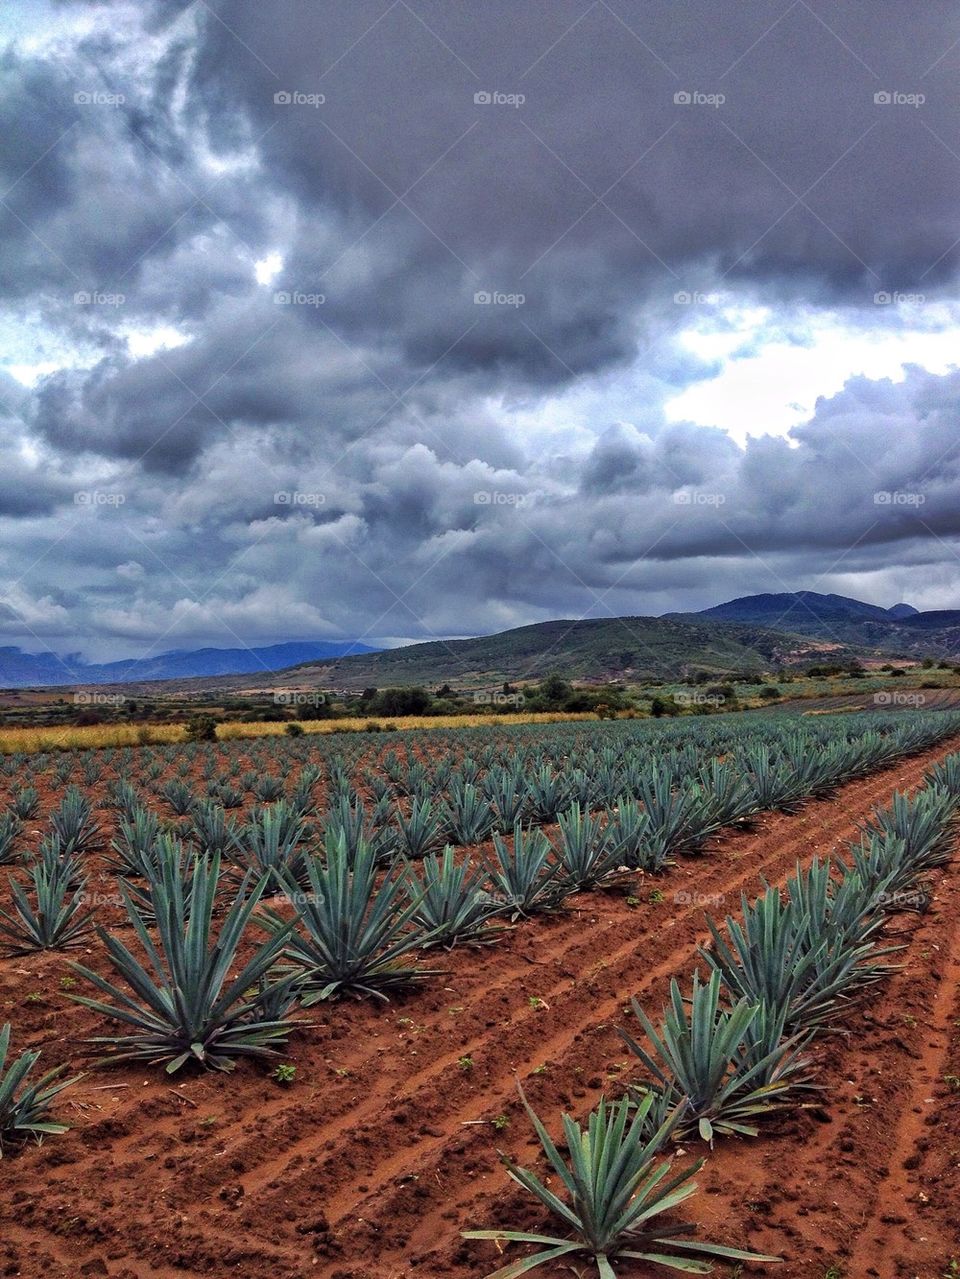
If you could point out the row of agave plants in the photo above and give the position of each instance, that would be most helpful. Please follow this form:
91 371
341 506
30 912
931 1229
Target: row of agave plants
381 889
787 969
354 927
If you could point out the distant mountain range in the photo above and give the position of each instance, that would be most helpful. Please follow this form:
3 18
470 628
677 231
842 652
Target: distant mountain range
899 631
747 635
28 670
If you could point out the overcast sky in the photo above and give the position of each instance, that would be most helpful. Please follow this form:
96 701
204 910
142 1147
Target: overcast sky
400 320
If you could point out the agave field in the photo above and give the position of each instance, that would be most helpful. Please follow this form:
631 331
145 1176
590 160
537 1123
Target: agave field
631 997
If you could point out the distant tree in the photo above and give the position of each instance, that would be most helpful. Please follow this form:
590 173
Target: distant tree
663 706
403 701
293 729
201 728
769 693
368 694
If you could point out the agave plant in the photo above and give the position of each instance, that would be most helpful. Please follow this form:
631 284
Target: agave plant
587 853
24 1112
58 920
626 831
10 827
778 956
271 842
185 1005
469 816
507 793
211 830
617 1188
527 877
132 850
422 831
702 1059
923 823
358 935
451 905
25 803
73 822
179 796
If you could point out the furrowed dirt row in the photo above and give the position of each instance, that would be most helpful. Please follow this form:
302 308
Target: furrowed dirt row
372 1163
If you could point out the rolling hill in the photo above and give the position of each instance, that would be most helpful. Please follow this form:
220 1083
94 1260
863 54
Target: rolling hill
593 650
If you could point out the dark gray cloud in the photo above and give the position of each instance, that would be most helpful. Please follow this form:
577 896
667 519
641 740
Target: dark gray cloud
448 411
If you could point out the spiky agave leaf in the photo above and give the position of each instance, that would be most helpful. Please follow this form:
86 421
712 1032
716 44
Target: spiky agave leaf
358 936
184 1005
451 904
24 1110
776 956
527 877
616 1187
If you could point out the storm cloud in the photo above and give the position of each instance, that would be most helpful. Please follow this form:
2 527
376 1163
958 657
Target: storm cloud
368 320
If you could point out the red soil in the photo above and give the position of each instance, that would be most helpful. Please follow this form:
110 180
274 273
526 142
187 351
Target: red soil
373 1160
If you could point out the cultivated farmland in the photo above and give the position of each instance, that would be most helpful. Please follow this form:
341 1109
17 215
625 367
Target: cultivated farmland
316 971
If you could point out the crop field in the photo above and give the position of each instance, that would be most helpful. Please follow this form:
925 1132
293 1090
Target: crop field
317 1006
